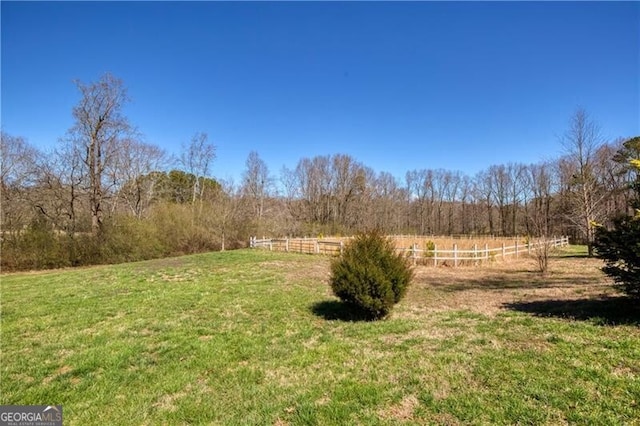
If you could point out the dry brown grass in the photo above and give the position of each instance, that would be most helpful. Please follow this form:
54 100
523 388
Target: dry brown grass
462 243
485 289
402 411
488 289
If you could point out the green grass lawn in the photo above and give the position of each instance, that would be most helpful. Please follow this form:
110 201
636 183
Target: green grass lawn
253 337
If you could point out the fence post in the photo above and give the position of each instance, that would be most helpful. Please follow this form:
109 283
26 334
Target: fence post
516 249
528 247
270 244
504 252
475 255
486 251
316 247
455 255
435 255
286 244
251 243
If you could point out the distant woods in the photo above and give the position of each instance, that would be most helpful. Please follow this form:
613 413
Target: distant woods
104 194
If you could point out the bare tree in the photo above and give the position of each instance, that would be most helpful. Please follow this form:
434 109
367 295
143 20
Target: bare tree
515 172
614 178
63 195
256 184
137 162
196 158
440 182
500 192
312 177
349 182
18 167
422 196
540 185
452 191
581 141
389 204
97 132
225 206
467 221
484 189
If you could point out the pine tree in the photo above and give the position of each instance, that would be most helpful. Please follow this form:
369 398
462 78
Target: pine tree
619 246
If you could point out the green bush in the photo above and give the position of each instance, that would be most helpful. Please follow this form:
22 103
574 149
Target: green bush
128 239
36 247
429 247
370 276
619 247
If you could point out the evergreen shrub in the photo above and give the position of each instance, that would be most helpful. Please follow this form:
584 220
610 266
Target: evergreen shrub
370 276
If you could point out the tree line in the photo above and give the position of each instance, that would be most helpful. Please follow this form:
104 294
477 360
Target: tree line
104 194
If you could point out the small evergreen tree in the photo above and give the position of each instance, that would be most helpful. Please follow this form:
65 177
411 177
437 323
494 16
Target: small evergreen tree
619 246
370 276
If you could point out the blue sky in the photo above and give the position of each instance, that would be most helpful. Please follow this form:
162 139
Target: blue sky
399 86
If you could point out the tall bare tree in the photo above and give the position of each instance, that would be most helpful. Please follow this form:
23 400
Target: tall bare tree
540 187
484 193
581 141
516 172
310 184
454 200
500 191
422 195
467 216
197 157
98 129
349 184
390 204
256 184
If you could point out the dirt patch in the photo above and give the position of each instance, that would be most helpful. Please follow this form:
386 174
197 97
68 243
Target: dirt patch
445 419
402 411
59 372
168 402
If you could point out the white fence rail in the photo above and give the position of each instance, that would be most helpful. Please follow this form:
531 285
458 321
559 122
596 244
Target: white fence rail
436 256
299 245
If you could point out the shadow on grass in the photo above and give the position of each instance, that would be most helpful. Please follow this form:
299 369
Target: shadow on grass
604 311
337 310
511 281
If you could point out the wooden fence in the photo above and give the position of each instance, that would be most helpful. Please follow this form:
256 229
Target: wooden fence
434 255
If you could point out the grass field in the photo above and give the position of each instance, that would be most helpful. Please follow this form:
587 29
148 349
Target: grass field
255 337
